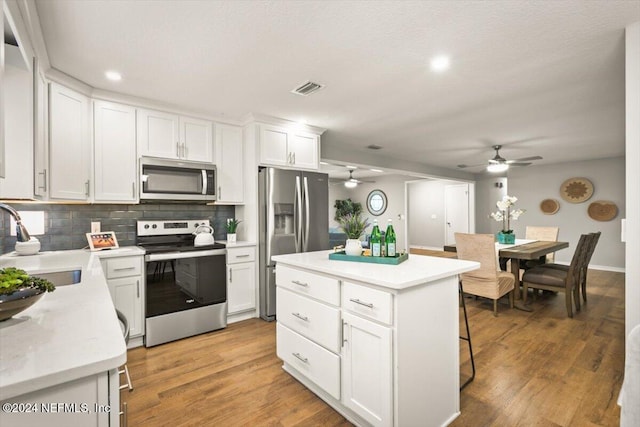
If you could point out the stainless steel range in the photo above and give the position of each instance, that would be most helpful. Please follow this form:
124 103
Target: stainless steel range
186 285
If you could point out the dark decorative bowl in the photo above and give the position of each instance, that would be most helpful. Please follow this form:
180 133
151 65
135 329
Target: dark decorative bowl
20 300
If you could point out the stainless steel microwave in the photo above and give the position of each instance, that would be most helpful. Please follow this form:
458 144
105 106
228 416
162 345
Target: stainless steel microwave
176 180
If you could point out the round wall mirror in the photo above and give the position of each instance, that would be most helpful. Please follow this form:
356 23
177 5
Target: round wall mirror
377 202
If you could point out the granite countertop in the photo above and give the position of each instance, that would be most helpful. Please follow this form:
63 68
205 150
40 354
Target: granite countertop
417 270
70 333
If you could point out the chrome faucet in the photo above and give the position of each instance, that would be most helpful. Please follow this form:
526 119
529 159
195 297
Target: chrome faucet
21 232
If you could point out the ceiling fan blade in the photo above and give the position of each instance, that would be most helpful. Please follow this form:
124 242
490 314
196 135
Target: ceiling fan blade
526 159
520 164
471 166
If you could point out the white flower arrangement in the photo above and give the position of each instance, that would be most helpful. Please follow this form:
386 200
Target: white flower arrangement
506 214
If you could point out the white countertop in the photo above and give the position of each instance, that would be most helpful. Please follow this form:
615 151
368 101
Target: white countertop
70 333
418 269
238 244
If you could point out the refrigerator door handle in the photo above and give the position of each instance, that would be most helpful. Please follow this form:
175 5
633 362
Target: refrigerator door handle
297 216
305 236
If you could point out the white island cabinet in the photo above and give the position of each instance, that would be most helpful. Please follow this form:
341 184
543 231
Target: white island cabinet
379 343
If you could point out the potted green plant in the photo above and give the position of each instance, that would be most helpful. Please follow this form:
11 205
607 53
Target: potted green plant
346 207
353 226
232 226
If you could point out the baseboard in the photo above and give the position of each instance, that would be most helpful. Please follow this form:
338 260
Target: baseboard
135 342
599 267
428 248
238 317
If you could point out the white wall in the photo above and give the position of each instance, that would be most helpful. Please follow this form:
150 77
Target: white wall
533 184
426 199
393 187
488 192
632 280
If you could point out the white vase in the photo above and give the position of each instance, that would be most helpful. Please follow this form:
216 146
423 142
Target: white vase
353 247
231 237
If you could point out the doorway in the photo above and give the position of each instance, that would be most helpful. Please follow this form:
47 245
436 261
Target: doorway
456 210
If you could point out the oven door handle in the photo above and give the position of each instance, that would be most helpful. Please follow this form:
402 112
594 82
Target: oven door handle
166 256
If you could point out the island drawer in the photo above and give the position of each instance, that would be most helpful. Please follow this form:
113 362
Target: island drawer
310 318
244 254
122 267
316 363
319 287
368 302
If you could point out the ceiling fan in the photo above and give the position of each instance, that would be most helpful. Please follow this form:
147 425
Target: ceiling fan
500 164
351 182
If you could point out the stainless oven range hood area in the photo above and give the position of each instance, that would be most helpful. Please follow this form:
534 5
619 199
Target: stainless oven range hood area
176 180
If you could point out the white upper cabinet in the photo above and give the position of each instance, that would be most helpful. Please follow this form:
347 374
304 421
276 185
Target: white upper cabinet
69 144
115 163
196 139
229 163
171 136
158 134
280 146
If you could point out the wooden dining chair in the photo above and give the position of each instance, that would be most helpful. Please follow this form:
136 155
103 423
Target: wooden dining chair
488 281
559 280
584 265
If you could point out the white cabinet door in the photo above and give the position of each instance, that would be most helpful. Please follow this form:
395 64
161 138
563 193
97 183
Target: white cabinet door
305 150
229 163
114 152
274 143
241 287
2 158
158 134
40 143
69 144
126 294
367 370
196 139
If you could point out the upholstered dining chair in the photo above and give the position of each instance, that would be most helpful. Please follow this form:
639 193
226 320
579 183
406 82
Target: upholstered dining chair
559 280
488 281
547 234
584 265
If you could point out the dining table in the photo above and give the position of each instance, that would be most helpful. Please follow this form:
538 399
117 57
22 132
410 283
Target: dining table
521 251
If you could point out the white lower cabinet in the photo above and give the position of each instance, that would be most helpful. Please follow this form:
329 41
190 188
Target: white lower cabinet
125 277
367 387
93 401
241 279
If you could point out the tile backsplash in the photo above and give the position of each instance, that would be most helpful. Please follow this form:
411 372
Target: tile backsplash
66 225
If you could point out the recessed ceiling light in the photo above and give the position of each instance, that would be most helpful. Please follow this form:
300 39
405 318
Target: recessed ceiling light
113 76
376 170
440 63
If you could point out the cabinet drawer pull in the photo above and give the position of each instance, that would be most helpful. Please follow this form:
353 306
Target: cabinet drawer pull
242 256
44 179
133 190
300 283
123 268
86 184
357 301
300 316
178 149
303 359
138 288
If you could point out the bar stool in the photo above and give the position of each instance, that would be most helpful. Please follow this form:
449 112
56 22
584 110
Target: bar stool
124 324
467 338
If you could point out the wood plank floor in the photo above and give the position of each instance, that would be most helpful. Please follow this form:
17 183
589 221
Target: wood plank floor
538 368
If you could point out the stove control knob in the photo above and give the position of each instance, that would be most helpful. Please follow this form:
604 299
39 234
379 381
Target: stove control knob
146 226
196 225
154 226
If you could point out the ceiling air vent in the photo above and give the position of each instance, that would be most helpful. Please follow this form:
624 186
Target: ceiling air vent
373 147
307 88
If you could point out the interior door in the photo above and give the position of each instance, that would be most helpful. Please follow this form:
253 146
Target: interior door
456 211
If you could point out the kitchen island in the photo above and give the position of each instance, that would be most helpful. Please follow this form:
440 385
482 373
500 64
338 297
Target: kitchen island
379 343
66 348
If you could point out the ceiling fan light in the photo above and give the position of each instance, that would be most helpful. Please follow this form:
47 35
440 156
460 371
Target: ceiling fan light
497 167
350 184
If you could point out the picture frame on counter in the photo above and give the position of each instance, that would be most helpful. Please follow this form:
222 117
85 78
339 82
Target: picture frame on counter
102 240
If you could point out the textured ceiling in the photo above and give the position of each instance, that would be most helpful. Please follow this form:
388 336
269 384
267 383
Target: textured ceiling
540 78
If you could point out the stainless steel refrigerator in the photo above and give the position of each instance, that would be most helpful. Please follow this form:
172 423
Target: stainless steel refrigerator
294 217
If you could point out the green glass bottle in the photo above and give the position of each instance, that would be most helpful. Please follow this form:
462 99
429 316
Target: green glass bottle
376 240
390 240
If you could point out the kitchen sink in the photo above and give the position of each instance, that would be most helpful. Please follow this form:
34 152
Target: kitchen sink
61 278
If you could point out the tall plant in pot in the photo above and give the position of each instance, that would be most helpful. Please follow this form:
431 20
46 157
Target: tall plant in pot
353 226
505 214
232 227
